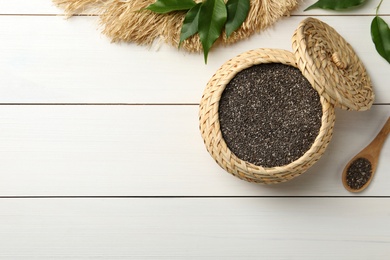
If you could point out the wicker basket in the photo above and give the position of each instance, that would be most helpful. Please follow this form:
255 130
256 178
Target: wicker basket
330 65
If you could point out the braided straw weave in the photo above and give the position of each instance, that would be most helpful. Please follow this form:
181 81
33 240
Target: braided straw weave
212 135
122 21
332 66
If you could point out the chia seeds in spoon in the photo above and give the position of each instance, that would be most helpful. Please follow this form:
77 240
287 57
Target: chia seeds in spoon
269 114
359 173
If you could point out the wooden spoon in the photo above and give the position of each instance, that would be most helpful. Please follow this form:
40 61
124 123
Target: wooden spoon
371 153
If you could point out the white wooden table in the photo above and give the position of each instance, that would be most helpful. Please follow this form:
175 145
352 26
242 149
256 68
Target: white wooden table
101 156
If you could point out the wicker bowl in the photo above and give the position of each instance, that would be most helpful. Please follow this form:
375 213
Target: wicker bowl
211 132
333 69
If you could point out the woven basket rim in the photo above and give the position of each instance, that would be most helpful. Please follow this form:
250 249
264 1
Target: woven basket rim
209 122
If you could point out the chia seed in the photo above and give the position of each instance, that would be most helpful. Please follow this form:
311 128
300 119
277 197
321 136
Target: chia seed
358 173
269 114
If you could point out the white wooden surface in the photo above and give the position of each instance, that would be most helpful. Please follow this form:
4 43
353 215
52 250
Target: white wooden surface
195 228
101 156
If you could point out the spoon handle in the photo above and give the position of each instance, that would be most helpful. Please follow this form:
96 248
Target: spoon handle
381 136
386 127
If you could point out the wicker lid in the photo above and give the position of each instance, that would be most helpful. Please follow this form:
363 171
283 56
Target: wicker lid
332 66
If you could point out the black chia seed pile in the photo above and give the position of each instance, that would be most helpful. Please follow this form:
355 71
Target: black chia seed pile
269 114
358 173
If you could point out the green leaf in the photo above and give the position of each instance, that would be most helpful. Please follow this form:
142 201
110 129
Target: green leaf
166 6
213 15
380 34
237 11
335 4
190 23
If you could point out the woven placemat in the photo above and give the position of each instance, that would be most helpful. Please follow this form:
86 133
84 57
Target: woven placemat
121 21
212 135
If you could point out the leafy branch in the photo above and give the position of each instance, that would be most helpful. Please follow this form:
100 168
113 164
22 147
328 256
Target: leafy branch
380 32
208 18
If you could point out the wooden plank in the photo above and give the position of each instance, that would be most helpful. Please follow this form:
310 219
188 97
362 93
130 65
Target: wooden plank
69 61
195 228
154 151
28 7
46 7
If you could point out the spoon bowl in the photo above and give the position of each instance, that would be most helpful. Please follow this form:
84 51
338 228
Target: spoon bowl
371 152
